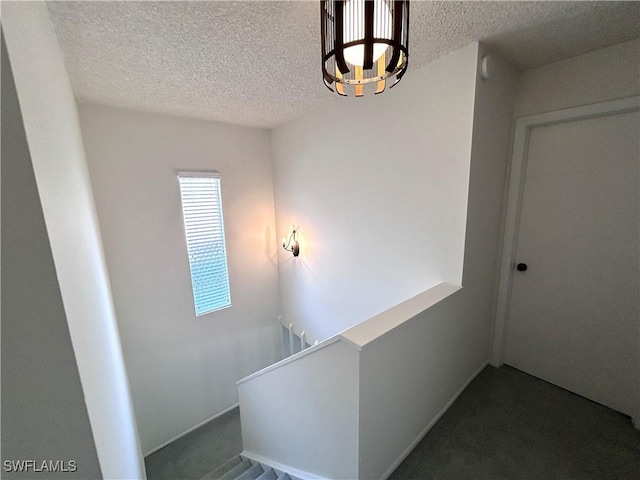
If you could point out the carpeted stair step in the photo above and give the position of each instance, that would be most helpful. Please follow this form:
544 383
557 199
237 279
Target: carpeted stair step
251 474
243 469
224 468
268 475
236 471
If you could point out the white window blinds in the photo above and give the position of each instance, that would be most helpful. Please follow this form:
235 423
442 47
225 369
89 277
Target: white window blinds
204 227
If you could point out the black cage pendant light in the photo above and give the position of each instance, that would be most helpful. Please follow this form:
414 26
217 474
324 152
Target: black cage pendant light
364 42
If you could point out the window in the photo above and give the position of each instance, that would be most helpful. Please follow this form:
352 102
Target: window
204 227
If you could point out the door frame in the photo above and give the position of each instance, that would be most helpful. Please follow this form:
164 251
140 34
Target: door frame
515 187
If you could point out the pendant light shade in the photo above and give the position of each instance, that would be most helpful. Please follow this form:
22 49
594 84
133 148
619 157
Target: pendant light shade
363 42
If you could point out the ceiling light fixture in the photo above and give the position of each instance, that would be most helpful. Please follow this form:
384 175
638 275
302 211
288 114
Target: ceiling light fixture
363 42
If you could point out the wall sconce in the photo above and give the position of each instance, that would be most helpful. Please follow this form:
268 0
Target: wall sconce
292 244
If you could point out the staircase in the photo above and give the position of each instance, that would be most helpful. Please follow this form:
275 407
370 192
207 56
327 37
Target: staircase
239 468
353 406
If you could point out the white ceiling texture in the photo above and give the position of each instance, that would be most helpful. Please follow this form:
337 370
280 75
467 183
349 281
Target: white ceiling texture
257 63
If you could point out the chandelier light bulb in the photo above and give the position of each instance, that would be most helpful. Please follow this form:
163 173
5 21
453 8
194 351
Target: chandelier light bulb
353 29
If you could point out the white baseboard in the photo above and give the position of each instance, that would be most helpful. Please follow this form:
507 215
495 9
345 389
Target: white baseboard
291 471
421 435
219 414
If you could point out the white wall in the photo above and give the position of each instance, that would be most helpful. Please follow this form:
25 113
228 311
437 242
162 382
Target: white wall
53 133
41 391
598 76
409 376
384 216
183 369
378 187
305 413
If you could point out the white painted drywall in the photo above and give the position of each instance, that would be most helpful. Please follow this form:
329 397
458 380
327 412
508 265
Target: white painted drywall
407 377
183 368
304 413
371 329
598 76
378 187
55 143
411 374
41 391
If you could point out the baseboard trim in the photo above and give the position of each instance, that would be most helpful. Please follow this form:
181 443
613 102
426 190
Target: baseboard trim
293 472
422 434
219 414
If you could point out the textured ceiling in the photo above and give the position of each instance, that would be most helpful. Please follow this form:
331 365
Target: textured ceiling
257 63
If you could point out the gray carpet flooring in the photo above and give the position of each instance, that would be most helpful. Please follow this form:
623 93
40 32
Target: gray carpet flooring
510 425
199 452
505 425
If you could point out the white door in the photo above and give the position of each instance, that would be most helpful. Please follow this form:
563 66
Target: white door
574 316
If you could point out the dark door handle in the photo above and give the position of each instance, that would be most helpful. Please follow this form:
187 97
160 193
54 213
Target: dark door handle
522 267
